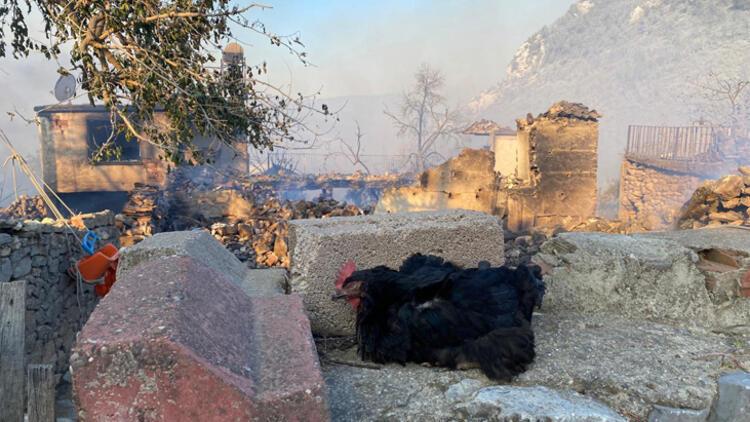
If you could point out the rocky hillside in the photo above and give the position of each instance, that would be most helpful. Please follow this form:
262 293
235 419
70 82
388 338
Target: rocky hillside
635 61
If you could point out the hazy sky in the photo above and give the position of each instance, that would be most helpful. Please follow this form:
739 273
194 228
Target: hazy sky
357 48
374 47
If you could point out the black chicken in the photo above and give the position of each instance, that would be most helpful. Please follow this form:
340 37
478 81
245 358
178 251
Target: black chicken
431 311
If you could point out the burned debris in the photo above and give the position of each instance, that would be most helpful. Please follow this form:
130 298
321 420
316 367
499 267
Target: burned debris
720 202
246 216
25 207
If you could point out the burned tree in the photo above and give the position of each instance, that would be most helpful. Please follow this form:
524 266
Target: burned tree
352 151
724 100
425 117
142 56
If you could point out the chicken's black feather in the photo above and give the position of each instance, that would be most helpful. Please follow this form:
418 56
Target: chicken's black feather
433 311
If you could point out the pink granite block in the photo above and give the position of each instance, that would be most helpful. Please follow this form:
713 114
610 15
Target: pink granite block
176 341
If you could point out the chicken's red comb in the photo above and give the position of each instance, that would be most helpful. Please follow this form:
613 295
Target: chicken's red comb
346 270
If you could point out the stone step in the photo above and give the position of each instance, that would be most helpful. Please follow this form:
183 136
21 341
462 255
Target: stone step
688 278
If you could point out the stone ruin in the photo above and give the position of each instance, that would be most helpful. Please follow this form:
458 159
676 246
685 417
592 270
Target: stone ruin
545 175
664 166
635 327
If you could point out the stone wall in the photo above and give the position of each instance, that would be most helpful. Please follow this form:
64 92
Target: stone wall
466 182
652 196
564 163
41 253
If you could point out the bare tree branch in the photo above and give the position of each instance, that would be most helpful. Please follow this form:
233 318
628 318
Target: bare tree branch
424 117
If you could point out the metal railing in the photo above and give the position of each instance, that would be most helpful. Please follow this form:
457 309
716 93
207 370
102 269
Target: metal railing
688 143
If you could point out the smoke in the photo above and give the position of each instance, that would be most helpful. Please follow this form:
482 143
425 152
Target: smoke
374 48
361 52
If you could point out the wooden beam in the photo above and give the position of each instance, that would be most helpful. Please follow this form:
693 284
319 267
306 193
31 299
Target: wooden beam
12 331
40 387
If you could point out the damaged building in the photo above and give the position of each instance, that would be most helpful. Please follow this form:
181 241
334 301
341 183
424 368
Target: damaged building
663 166
71 135
542 174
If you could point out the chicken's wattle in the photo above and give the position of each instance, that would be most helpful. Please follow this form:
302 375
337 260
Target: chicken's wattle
345 272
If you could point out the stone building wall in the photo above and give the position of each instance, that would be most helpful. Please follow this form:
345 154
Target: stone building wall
67 168
65 155
41 253
466 182
652 196
557 182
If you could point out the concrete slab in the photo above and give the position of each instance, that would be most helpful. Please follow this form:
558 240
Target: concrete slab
202 247
729 247
643 277
320 247
726 237
176 340
689 277
630 366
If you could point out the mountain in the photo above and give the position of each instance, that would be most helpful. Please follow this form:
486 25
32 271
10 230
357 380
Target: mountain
634 61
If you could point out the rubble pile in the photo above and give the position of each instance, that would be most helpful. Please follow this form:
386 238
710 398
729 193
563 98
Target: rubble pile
720 202
260 238
25 208
570 110
143 214
519 248
245 216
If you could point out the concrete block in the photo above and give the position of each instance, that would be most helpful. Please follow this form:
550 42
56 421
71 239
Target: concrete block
669 414
203 248
727 238
506 403
635 277
733 403
320 247
176 340
265 281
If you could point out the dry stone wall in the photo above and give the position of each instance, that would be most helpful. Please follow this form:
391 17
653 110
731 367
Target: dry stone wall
653 197
41 253
560 187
